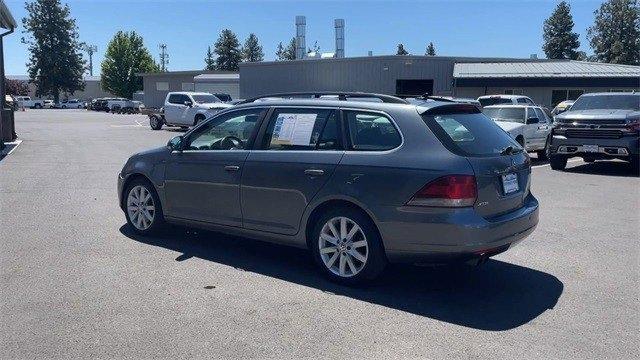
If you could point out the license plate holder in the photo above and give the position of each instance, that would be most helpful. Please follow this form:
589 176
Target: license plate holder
510 183
590 148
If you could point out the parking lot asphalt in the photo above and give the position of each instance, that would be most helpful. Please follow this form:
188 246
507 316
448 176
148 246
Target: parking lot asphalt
76 283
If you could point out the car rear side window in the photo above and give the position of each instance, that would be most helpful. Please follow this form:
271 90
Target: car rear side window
175 99
302 129
469 134
370 131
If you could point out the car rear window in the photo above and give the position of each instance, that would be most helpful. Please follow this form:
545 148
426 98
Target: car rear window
469 134
494 101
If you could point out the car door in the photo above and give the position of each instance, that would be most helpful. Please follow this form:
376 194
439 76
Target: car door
530 132
544 127
298 151
189 114
202 182
171 108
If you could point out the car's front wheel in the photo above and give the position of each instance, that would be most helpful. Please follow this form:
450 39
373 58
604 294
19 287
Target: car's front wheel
558 162
142 207
347 247
155 122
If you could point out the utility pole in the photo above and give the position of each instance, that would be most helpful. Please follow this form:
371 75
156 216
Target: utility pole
90 49
164 57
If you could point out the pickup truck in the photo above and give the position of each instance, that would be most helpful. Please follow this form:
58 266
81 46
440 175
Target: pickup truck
186 108
598 126
27 102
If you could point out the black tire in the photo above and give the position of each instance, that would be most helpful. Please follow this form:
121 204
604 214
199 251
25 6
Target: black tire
376 259
197 119
155 122
558 162
158 218
38 106
635 164
544 153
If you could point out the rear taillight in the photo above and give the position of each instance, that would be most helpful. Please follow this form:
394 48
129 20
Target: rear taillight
447 191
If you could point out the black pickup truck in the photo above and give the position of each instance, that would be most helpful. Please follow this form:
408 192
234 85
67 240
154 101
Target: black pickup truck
598 126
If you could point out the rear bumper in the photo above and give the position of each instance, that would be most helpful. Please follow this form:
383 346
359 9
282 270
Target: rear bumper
607 148
413 234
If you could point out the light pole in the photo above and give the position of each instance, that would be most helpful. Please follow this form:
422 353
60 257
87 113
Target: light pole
164 57
90 49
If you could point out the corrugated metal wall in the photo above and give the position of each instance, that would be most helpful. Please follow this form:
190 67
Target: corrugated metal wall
369 74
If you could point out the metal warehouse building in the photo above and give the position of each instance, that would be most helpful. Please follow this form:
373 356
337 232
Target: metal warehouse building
157 85
546 81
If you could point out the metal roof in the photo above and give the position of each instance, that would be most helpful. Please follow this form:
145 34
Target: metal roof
209 77
6 19
546 69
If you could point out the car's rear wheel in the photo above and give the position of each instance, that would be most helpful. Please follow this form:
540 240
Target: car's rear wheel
347 247
558 162
142 207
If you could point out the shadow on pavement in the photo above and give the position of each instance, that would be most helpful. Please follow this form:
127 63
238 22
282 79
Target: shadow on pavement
496 297
608 168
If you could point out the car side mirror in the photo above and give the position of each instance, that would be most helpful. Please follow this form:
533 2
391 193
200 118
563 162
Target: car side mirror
188 103
175 144
533 120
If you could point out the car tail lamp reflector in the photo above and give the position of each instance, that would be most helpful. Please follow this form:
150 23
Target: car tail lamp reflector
447 191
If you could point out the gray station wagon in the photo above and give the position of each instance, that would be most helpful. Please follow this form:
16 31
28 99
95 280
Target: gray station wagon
359 183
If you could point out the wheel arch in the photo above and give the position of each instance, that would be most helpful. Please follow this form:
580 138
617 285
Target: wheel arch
129 179
325 205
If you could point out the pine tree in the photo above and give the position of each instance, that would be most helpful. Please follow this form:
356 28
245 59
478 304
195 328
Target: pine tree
126 56
560 42
55 64
280 52
615 34
431 50
252 50
209 60
401 50
315 48
290 51
227 48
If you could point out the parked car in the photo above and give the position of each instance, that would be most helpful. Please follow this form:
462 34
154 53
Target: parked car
294 177
188 108
488 100
11 102
598 126
528 125
28 102
71 104
562 107
49 104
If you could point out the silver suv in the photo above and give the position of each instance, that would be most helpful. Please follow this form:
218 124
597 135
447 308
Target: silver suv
358 183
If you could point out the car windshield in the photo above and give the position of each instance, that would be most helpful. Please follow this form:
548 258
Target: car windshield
470 134
205 99
494 101
607 102
509 114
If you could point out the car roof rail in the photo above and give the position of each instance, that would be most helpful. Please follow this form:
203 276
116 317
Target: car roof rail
344 96
427 96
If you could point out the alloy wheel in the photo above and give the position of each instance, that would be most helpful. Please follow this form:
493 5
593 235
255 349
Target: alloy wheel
140 207
343 246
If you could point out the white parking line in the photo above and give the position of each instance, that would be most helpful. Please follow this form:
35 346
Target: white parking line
543 165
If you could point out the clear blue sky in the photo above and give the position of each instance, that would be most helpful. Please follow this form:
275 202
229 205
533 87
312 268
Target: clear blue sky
461 28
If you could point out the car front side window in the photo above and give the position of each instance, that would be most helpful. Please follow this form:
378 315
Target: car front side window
230 131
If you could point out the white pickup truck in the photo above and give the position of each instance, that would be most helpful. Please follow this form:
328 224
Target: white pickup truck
27 102
186 108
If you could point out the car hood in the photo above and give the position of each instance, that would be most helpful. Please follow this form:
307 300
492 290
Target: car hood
596 114
509 126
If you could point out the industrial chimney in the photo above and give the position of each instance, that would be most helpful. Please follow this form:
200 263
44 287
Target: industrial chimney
301 46
339 25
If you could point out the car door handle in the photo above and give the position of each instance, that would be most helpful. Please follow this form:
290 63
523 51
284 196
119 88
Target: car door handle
314 172
232 168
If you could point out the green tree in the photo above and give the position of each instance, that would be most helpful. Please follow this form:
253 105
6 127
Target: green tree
16 87
55 62
252 50
315 48
560 42
615 34
401 50
209 60
227 48
290 51
431 50
126 56
280 52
